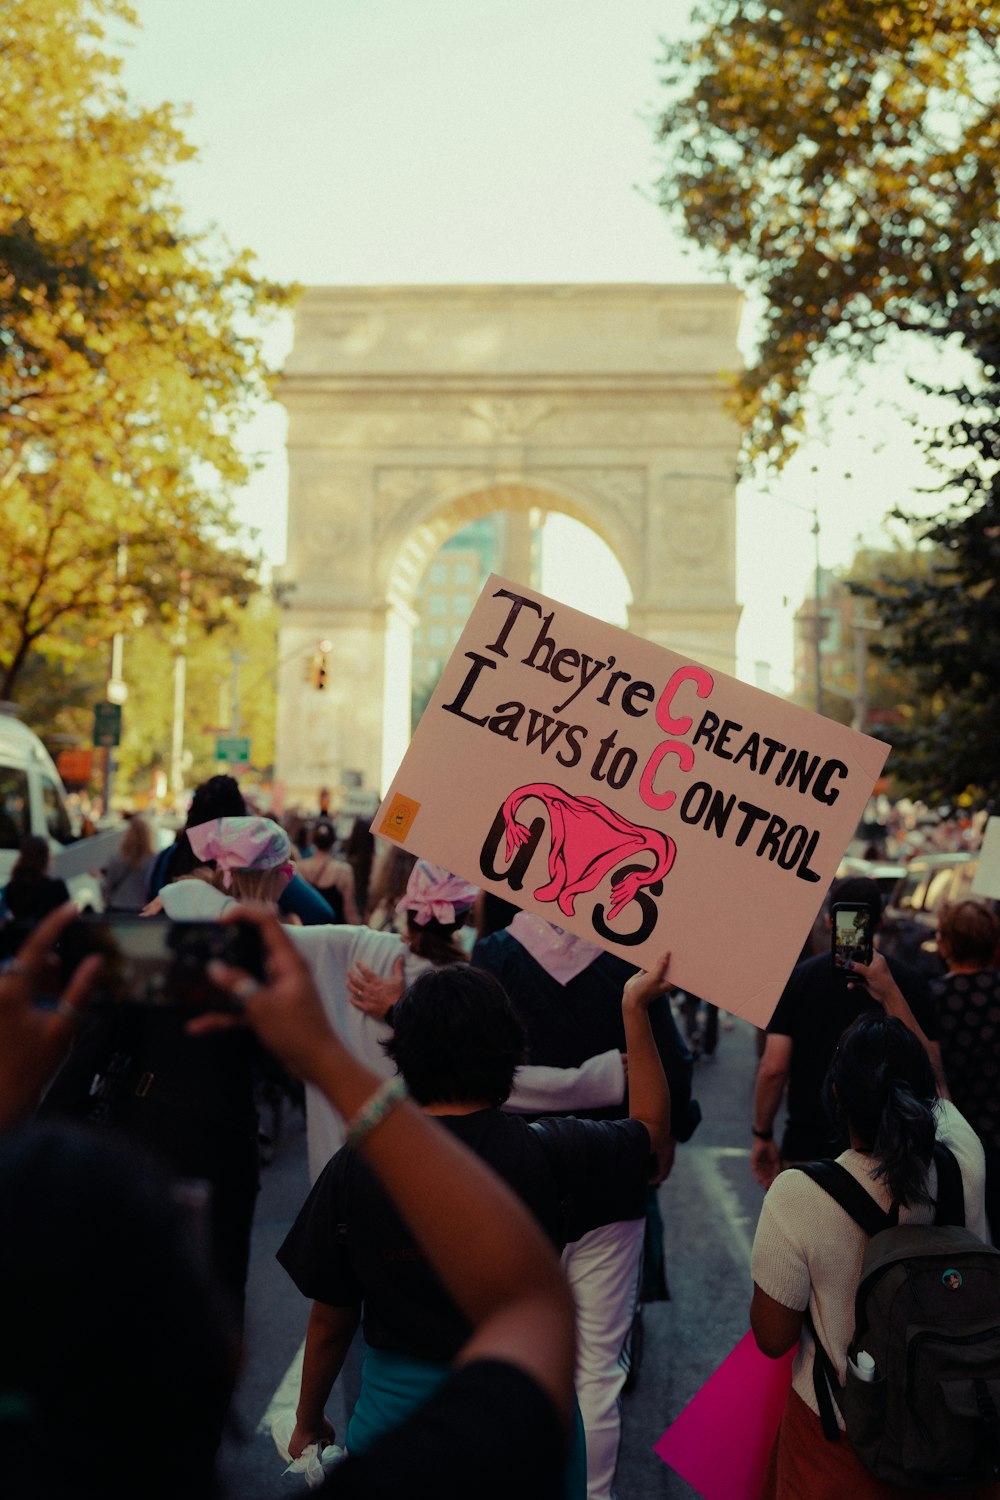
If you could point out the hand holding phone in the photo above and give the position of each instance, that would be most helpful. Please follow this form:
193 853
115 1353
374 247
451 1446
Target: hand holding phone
852 936
154 962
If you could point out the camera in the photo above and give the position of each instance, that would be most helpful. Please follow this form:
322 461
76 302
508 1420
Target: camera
853 928
152 961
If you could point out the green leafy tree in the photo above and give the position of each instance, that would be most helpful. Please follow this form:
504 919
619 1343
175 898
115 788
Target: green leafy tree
231 668
130 353
942 623
841 158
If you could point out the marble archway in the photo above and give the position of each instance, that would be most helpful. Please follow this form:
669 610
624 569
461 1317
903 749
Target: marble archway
413 410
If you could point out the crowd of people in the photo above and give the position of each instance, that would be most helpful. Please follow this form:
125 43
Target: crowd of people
492 1105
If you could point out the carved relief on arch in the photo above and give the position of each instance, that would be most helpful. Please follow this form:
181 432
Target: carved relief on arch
327 512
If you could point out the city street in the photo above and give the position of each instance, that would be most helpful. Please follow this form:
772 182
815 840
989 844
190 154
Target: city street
710 1205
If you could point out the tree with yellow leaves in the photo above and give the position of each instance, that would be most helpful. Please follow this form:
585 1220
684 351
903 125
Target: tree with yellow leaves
130 353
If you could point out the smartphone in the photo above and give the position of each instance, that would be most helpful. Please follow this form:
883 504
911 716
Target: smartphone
152 961
852 934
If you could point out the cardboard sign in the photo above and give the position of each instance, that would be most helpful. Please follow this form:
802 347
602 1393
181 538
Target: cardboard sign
986 881
631 796
86 854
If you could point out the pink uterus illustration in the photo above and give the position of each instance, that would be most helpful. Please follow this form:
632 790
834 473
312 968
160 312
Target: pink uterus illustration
588 840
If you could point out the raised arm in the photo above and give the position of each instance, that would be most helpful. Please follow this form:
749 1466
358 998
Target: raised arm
648 1092
33 1040
877 979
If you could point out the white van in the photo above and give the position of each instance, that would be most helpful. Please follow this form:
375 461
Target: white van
33 800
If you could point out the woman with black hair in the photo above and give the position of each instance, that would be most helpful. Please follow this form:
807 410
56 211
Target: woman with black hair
331 875
808 1252
457 1043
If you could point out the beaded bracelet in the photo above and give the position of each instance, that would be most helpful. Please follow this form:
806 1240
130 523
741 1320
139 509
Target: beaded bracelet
375 1109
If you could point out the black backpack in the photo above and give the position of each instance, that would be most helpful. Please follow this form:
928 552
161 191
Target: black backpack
927 1311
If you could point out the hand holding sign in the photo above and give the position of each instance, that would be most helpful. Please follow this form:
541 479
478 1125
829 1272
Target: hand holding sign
630 795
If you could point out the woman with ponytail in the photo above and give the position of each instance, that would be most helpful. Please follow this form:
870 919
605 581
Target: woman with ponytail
882 1093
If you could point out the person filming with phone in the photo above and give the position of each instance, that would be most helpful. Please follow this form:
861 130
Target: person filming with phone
823 996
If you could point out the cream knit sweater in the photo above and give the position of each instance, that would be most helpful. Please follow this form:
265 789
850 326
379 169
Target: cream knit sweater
807 1251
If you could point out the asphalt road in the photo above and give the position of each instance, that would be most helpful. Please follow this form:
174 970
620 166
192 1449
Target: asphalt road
710 1205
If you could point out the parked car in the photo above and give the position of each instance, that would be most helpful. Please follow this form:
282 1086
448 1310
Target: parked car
911 913
885 873
33 800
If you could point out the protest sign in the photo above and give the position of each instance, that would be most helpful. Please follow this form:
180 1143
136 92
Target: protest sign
631 796
744 1400
986 881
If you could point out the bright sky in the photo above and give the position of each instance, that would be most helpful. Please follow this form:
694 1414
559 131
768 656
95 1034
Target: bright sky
398 141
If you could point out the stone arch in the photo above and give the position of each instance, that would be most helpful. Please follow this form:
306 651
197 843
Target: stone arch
400 568
415 409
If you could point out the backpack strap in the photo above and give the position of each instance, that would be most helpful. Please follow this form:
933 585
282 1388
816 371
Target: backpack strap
862 1208
848 1192
950 1206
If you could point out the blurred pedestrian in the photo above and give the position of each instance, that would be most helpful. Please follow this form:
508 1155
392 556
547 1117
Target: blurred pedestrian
359 851
457 1043
968 1000
136 1071
330 875
31 892
390 874
220 797
815 1008
125 877
808 1251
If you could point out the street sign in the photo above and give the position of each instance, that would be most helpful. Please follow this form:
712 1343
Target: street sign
107 724
75 767
233 748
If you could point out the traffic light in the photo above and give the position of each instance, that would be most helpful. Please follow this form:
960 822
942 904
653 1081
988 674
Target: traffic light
319 665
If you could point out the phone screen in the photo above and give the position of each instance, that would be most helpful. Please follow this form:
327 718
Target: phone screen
150 961
852 936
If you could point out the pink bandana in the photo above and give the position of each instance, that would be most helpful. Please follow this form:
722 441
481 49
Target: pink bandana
432 892
241 844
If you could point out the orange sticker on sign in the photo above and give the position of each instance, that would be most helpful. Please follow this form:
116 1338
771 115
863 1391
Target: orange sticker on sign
399 817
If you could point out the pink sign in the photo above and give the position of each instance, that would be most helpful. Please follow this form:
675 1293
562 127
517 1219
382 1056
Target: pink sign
722 1439
631 796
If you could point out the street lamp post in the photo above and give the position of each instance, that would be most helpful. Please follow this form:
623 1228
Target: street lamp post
180 686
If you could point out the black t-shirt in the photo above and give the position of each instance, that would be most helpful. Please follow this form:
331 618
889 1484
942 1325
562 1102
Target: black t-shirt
31 900
567 1023
969 1017
491 1432
349 1245
814 1010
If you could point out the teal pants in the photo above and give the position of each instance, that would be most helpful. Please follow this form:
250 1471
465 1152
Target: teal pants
393 1386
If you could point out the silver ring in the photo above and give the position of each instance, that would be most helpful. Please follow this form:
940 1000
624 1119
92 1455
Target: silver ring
243 991
65 1009
13 967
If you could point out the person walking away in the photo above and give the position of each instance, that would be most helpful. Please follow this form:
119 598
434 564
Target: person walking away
812 1014
330 875
125 878
191 1103
968 1001
457 1043
433 908
220 797
808 1251
31 892
566 991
